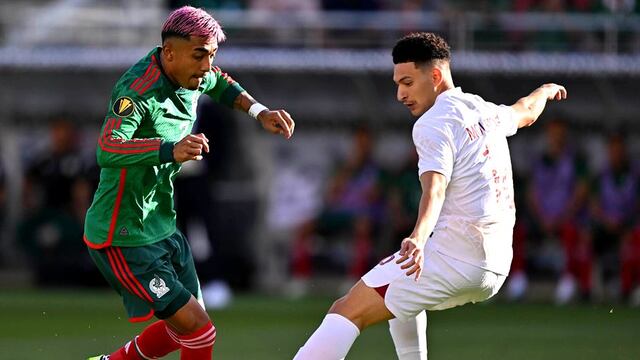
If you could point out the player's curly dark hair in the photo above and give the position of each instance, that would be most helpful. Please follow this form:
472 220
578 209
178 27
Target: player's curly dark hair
421 48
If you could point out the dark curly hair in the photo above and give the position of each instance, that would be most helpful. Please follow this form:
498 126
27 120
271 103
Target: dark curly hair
421 48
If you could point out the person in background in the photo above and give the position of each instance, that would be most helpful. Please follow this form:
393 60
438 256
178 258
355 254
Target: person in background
56 195
614 209
3 203
353 206
402 193
557 204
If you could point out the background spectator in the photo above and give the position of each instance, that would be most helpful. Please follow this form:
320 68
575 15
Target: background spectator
557 195
614 209
352 210
58 186
219 232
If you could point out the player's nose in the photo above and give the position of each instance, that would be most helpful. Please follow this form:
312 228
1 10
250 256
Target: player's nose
401 95
205 66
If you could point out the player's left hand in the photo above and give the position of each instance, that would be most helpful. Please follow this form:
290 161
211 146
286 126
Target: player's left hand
277 122
555 91
411 250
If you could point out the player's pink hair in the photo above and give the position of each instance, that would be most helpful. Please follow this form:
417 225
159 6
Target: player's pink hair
188 21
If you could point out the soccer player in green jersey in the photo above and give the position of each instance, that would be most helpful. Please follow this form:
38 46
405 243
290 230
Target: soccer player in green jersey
130 227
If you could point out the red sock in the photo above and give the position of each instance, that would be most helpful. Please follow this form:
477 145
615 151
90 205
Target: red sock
198 345
153 342
578 253
127 352
362 251
630 263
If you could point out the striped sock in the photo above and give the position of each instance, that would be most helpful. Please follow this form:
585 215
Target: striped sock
127 352
154 342
197 345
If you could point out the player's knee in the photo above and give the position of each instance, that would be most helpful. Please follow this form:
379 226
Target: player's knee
345 307
194 322
200 319
190 318
337 305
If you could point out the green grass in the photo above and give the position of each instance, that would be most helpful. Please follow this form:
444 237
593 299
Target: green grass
73 325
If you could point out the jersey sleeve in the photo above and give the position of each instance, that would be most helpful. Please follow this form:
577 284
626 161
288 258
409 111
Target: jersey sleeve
118 146
435 149
221 87
504 118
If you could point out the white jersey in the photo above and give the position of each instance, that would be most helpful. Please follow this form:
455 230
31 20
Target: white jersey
463 137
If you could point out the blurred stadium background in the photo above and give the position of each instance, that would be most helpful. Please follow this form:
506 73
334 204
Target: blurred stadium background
280 228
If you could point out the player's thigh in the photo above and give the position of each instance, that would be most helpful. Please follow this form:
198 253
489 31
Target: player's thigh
103 263
443 283
117 270
403 296
145 278
406 297
362 305
446 283
159 274
475 284
182 261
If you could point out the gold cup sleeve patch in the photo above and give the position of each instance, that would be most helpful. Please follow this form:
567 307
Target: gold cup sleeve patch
123 106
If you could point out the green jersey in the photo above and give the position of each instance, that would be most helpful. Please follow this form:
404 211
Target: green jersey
147 115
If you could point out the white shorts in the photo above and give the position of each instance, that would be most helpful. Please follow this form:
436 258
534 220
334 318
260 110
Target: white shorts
445 282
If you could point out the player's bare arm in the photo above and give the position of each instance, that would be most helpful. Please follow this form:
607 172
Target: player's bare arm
433 186
191 147
274 121
529 108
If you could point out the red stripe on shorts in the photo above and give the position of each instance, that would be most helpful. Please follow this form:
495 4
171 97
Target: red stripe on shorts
142 318
115 267
118 252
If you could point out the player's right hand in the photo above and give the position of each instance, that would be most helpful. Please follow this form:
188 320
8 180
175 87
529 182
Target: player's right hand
190 147
411 250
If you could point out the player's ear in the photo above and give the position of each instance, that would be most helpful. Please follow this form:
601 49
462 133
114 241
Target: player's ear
167 50
436 76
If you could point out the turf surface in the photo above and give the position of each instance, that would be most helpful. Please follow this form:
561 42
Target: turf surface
77 324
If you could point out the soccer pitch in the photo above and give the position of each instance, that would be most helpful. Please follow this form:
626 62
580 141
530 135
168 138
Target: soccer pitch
76 324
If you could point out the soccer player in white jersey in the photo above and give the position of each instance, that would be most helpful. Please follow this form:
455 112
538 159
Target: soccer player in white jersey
460 248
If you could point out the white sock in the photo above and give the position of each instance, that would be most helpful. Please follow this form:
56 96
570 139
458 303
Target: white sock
331 340
410 338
